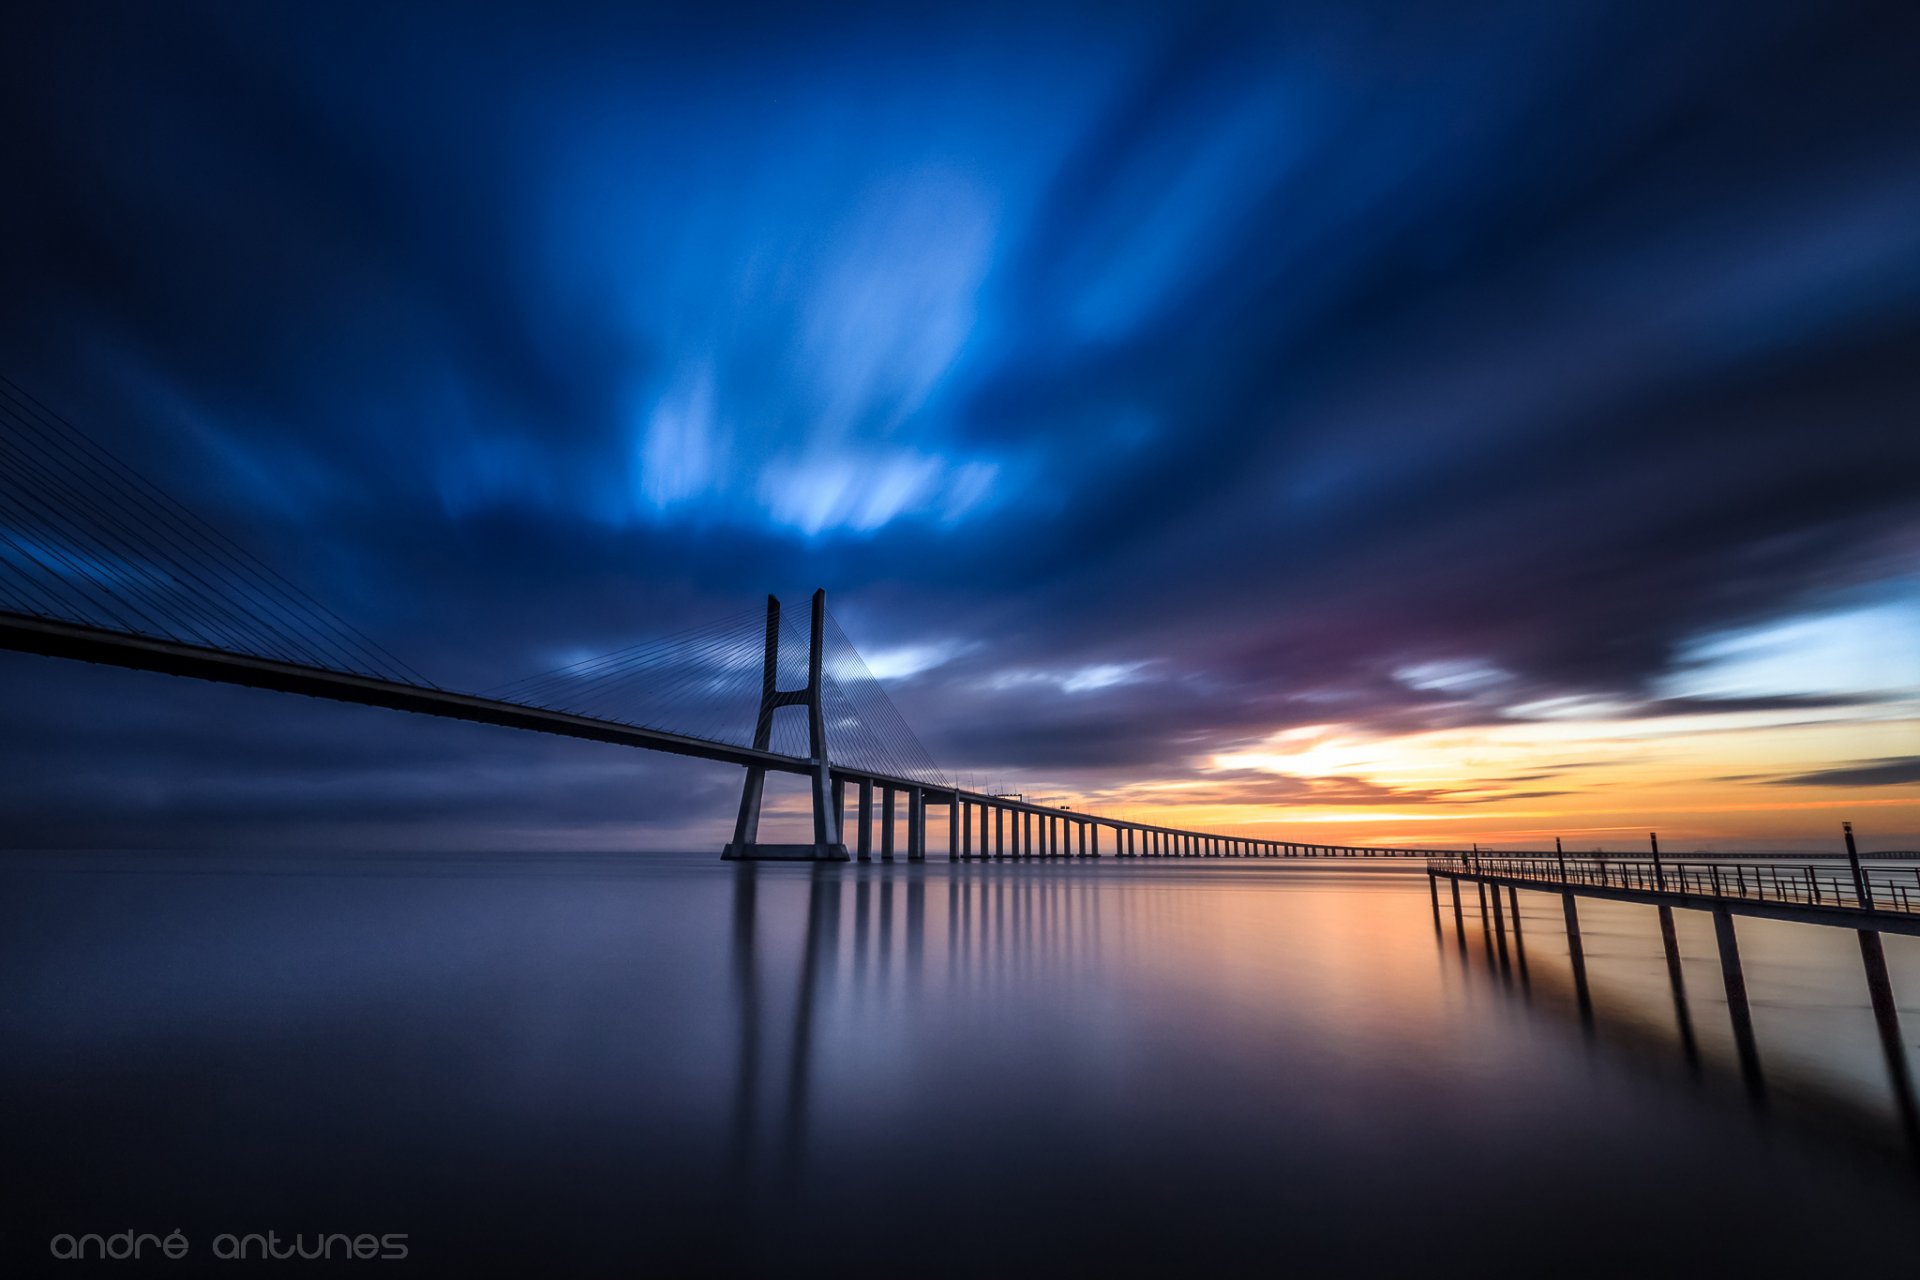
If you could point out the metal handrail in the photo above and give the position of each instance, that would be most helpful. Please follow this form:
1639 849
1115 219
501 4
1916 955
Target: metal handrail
1895 889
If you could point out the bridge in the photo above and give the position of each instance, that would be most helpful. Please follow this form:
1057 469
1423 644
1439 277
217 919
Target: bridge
99 565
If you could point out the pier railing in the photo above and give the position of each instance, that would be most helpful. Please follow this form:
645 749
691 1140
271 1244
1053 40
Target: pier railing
1875 889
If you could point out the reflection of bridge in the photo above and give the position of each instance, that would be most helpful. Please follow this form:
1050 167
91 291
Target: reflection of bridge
98 564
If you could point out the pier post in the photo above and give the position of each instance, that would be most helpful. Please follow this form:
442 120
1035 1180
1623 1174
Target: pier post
1459 921
1677 979
1433 892
1742 1016
1860 883
1886 1015
1519 943
1577 953
1499 926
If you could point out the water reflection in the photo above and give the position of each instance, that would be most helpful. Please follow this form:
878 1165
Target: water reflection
609 1065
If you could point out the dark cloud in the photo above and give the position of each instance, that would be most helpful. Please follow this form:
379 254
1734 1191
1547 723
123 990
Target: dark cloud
1270 355
1895 772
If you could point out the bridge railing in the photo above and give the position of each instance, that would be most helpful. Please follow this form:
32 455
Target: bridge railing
1799 884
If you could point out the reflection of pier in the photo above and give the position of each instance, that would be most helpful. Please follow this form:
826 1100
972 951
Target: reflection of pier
1868 901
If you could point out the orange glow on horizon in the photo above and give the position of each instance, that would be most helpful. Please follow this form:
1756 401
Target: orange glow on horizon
1707 780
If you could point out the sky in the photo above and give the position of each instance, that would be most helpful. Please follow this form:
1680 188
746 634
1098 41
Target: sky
1365 422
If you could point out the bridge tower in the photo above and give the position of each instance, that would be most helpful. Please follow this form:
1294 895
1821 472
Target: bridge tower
826 845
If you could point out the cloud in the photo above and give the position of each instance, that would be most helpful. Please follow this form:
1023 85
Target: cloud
1894 772
1166 378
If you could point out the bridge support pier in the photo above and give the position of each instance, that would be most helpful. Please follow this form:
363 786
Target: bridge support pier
886 823
916 825
826 845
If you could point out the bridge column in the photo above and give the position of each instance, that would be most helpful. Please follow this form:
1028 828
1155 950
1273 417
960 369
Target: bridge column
840 805
916 825
1026 834
826 844
866 820
886 823
999 832
966 829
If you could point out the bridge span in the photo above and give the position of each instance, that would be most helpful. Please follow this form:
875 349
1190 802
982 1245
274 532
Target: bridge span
981 825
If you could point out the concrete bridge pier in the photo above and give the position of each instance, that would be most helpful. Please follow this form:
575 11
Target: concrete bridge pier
826 844
916 825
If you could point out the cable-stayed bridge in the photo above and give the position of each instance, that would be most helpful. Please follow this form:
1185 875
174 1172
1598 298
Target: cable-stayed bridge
100 565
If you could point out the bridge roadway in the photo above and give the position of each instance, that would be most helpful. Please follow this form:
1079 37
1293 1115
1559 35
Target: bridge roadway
1018 828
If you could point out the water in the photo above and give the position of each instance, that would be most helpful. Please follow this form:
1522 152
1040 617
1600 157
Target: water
606 1065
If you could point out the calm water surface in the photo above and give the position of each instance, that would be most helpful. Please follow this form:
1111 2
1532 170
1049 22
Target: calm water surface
613 1065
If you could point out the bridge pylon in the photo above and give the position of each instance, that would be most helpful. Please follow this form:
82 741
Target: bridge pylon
827 845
